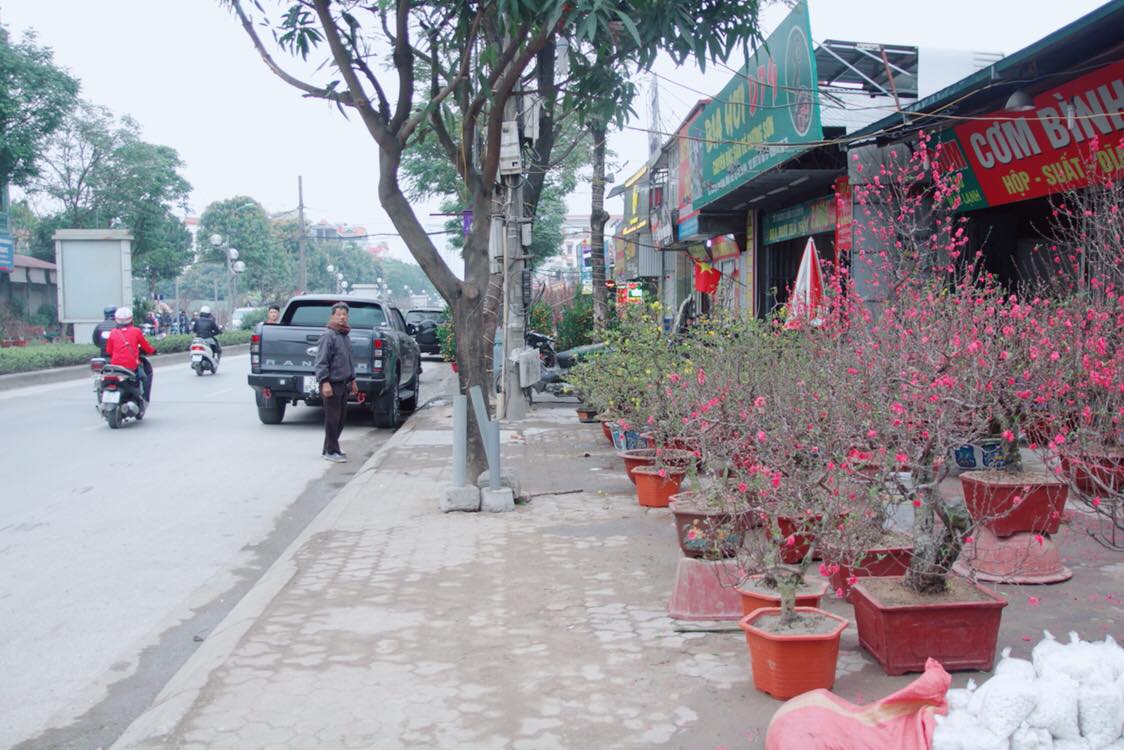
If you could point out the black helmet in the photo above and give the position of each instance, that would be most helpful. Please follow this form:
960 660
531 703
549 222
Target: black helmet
109 312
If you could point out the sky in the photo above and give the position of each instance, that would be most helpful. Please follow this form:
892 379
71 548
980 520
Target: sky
185 70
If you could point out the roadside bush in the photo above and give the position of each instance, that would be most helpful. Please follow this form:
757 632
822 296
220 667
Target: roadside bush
540 318
47 356
252 318
576 326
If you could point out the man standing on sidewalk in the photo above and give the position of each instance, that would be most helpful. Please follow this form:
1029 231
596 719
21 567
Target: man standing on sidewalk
336 375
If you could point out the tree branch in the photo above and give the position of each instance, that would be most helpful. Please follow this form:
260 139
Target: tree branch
308 88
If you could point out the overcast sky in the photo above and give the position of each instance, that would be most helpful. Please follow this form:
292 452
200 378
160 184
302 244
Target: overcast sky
185 70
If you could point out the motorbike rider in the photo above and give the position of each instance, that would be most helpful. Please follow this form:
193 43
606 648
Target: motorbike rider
206 327
102 329
124 346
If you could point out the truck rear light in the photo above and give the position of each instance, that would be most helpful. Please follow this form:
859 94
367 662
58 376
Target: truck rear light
378 343
267 393
377 346
255 353
255 343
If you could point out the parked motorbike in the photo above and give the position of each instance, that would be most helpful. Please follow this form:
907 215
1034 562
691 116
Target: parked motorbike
203 356
120 395
555 366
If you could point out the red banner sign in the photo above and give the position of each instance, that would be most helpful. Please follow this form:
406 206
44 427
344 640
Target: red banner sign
1074 128
844 218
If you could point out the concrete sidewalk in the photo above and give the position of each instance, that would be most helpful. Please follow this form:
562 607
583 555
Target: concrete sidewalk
390 625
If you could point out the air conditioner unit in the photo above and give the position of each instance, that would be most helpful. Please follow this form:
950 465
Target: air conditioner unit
530 370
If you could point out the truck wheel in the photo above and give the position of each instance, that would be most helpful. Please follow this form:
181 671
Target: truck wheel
387 412
410 405
272 414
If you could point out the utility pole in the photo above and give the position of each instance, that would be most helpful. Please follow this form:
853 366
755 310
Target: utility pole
302 280
514 256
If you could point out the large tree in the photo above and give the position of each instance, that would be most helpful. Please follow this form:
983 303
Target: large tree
35 98
241 223
476 53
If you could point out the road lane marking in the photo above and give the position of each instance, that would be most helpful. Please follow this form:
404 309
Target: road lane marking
219 393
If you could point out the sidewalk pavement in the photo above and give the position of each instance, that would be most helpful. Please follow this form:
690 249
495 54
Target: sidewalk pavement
388 624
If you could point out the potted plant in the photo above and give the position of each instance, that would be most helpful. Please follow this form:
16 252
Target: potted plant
776 426
935 358
447 341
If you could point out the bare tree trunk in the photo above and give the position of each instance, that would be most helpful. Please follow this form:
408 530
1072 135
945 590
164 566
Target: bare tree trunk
597 219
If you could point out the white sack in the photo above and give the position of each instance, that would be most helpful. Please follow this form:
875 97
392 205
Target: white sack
1011 667
1027 737
1100 712
1005 702
1056 706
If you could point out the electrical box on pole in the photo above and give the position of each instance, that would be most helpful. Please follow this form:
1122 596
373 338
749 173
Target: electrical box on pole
511 160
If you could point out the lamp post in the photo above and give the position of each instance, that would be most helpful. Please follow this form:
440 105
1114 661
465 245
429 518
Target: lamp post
234 267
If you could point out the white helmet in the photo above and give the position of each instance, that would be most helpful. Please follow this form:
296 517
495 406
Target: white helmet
205 310
123 315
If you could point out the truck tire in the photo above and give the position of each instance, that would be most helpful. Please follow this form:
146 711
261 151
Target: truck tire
410 405
271 411
387 411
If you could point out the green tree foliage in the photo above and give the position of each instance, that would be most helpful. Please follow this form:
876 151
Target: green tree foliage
575 328
241 223
100 173
35 98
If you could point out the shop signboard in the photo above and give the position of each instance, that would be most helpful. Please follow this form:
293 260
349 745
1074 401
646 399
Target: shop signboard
763 116
1075 129
952 160
802 220
723 246
689 165
7 245
689 228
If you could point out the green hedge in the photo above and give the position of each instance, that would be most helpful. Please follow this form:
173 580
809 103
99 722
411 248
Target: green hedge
46 356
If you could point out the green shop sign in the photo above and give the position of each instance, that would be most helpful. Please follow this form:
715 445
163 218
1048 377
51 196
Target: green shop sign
763 115
804 220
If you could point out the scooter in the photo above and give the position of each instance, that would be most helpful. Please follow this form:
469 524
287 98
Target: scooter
203 357
120 395
555 366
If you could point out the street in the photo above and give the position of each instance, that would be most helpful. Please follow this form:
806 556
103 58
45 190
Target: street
120 550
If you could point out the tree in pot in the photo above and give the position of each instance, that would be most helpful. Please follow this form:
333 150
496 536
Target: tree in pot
933 358
777 419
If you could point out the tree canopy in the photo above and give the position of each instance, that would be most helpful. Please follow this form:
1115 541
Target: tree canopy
35 97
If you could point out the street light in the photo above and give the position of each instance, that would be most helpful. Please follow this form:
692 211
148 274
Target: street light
233 266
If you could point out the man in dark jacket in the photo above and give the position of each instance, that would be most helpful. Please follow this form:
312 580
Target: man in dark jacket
206 327
335 373
102 329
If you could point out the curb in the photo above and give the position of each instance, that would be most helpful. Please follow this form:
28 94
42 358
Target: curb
78 372
176 698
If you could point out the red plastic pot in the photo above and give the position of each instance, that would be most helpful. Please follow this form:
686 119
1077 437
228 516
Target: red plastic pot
791 555
654 491
754 599
649 457
608 432
880 562
991 500
1095 474
960 635
788 665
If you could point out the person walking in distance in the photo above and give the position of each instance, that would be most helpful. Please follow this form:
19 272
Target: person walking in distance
335 373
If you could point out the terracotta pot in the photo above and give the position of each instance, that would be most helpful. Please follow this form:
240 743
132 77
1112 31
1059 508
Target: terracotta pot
790 664
607 430
879 562
654 491
705 533
960 635
586 415
648 457
1096 474
456 368
990 498
754 599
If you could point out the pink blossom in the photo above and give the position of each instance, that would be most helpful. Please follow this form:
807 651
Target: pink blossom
761 436
742 486
790 540
673 377
851 581
1033 601
916 503
1096 501
969 539
901 458
651 419
663 473
1039 538
839 593
759 402
700 376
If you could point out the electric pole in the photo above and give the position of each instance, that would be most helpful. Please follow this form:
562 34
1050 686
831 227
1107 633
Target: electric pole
513 264
302 280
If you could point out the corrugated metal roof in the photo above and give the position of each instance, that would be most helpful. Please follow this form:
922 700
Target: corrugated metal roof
983 77
26 261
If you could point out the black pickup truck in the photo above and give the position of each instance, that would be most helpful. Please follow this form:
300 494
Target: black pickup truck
386 357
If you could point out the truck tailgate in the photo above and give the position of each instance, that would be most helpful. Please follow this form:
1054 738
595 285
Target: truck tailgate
292 349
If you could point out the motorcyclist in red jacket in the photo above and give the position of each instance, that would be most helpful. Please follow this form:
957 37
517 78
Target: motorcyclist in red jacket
125 345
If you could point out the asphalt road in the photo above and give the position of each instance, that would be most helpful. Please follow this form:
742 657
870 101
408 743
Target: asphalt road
120 550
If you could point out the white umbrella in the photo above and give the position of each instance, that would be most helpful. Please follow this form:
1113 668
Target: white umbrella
806 302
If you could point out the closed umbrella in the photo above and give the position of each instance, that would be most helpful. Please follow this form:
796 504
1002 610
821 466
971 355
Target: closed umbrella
806 303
